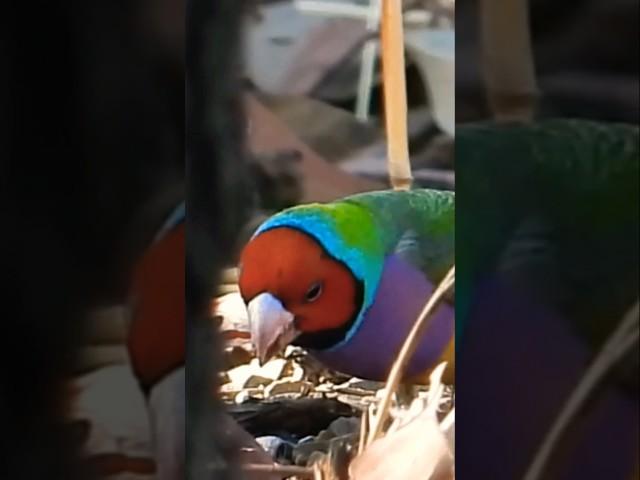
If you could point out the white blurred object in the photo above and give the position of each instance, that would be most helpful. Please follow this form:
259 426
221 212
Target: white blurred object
433 50
233 311
369 13
272 44
167 413
434 54
111 400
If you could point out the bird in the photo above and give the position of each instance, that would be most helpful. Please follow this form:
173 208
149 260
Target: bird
346 279
156 340
546 266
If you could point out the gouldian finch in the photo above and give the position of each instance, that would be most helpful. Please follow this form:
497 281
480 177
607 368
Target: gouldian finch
547 265
347 279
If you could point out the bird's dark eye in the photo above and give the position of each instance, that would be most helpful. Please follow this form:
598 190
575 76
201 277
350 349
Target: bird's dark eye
314 292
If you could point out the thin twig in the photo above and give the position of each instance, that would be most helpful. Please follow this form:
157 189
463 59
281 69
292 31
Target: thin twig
624 337
364 428
507 59
407 350
395 94
279 469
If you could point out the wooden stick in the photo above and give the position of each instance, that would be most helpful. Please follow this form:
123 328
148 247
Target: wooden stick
507 59
408 348
395 94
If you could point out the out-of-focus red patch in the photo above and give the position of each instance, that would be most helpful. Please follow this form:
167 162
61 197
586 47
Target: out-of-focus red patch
157 336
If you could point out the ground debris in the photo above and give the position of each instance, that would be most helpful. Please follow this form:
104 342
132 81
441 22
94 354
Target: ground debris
305 416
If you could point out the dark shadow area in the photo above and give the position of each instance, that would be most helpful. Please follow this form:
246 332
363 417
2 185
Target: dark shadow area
218 197
586 54
92 97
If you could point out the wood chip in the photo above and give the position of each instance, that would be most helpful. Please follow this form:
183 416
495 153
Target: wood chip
255 381
288 386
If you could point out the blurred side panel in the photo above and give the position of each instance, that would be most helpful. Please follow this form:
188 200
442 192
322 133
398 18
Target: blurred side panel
92 154
217 204
547 256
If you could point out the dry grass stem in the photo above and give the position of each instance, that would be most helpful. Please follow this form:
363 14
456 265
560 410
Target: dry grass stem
507 59
408 348
364 428
624 337
395 94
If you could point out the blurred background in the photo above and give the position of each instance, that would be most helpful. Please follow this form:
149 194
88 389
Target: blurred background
95 100
586 56
547 243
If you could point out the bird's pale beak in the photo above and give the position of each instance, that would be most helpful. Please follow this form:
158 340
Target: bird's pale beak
272 326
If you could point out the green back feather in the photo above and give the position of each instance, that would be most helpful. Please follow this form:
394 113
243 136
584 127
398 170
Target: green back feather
561 196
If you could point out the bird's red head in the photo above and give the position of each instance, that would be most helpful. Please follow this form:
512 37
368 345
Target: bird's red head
294 289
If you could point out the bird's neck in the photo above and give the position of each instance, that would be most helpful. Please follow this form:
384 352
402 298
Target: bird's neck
370 348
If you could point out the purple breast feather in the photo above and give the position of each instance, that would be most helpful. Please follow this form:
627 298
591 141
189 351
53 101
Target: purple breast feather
401 295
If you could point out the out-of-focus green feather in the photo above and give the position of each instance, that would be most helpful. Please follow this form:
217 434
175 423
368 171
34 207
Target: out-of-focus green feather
556 202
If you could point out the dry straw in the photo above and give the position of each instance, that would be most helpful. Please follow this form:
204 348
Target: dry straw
507 59
395 95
